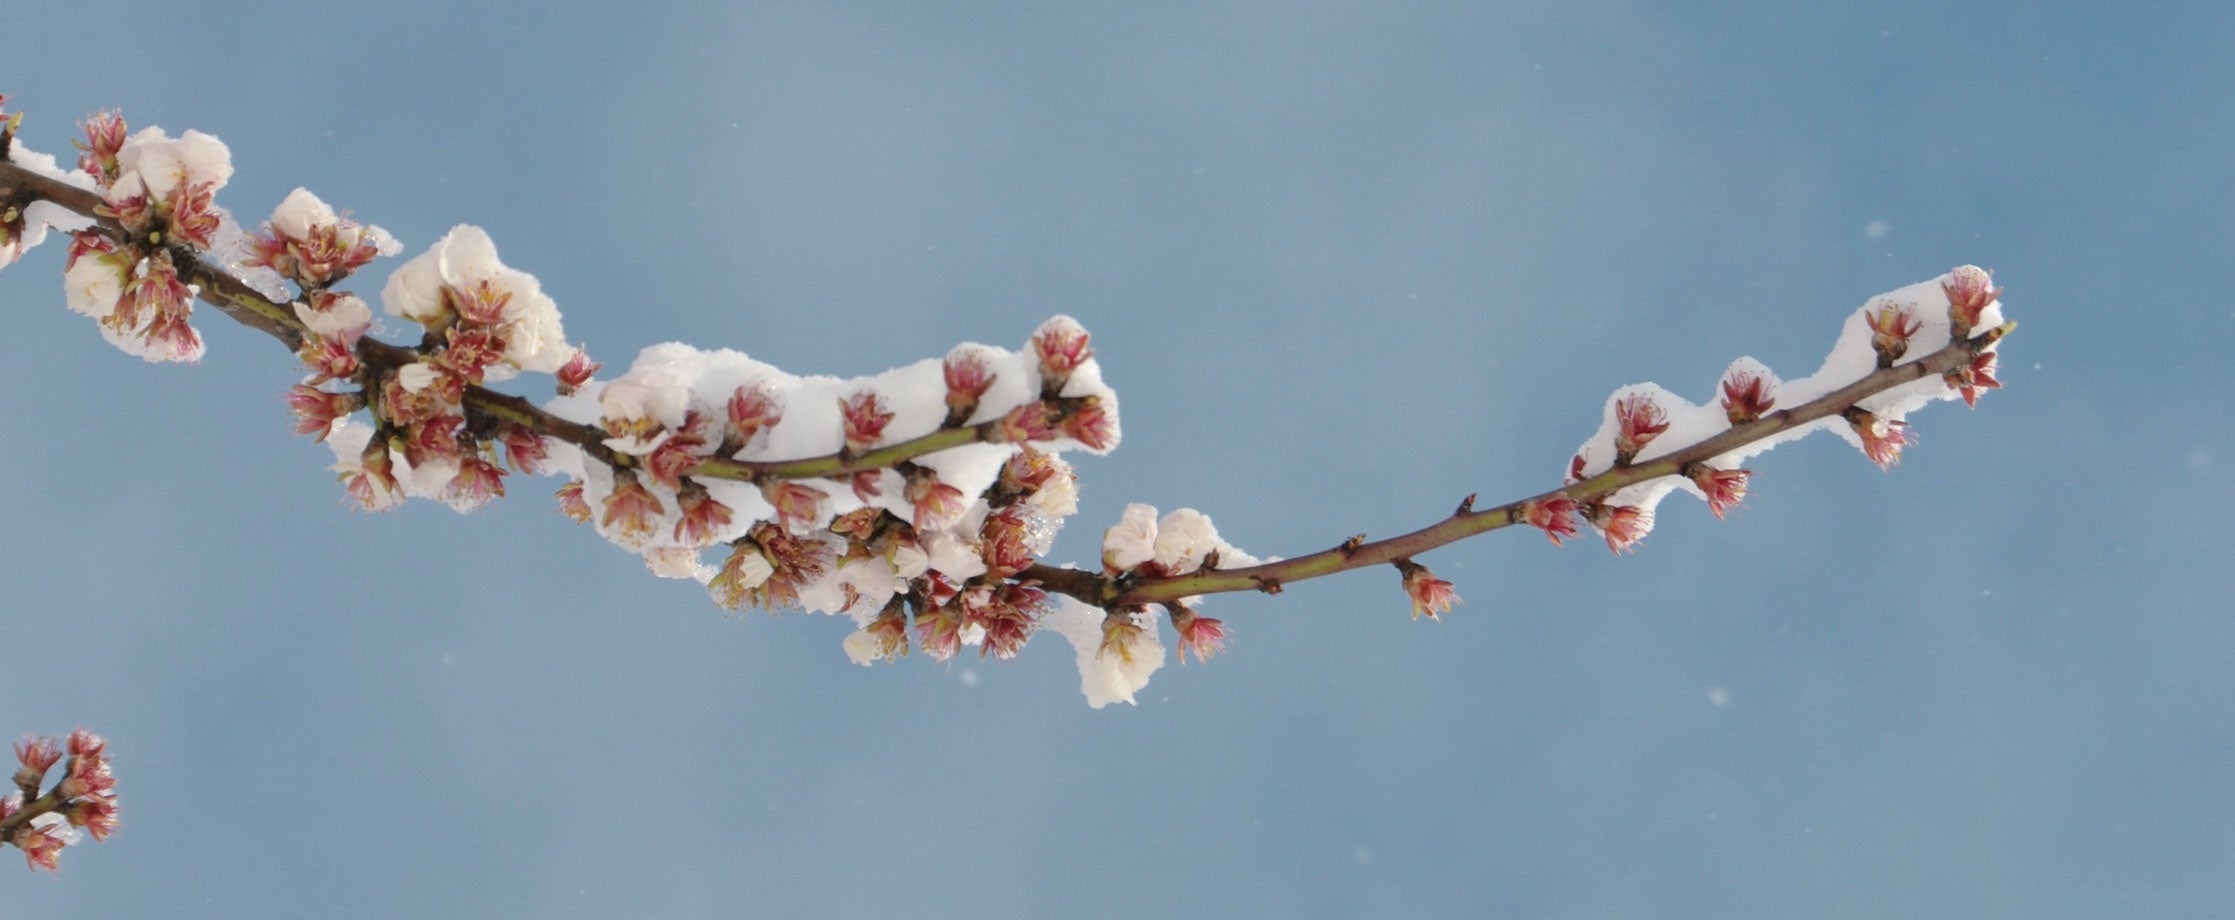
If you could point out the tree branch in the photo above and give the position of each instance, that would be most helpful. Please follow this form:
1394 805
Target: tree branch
1115 592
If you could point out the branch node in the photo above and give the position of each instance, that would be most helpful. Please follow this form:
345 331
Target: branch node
1351 545
1466 506
1267 583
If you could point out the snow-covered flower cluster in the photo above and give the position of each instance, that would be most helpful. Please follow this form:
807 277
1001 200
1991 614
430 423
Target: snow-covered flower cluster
917 502
161 192
84 799
1644 421
777 491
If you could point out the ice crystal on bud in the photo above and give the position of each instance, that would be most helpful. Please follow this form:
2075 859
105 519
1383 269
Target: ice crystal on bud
1970 291
866 416
1882 438
1430 595
1204 636
1749 391
1062 346
1639 420
1622 525
1555 516
1724 488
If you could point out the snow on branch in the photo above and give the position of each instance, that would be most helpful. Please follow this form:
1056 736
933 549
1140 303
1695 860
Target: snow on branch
918 502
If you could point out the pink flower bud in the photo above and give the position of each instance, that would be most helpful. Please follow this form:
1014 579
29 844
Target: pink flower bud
1638 421
194 214
1891 325
865 417
525 450
38 754
477 483
1029 422
577 371
1430 595
936 504
1970 291
1622 525
1969 379
98 815
572 503
316 410
967 376
679 453
797 505
1062 346
1724 488
1006 540
104 136
1749 392
752 410
1092 425
631 509
41 845
1204 636
939 631
702 517
1882 438
1555 516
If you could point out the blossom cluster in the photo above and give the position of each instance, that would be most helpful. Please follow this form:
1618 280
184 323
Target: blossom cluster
84 799
928 542
1643 422
917 502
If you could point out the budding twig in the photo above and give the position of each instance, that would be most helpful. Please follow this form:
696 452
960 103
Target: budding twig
245 305
1355 553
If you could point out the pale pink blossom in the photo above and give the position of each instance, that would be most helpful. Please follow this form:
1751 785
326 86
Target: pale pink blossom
1430 595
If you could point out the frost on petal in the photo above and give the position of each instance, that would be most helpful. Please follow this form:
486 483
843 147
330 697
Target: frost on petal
1116 652
1183 538
672 562
299 212
1132 541
415 290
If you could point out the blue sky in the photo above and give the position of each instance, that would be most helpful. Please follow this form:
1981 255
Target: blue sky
1345 263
